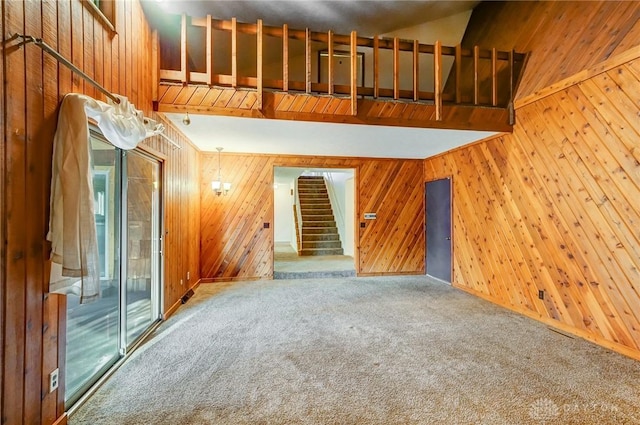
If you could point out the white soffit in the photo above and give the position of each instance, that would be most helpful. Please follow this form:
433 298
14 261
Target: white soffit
281 137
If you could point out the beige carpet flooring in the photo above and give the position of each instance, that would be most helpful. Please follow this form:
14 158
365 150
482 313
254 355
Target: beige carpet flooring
384 350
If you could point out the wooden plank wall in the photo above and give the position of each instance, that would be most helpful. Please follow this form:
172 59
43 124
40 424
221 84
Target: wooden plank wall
394 242
562 38
553 207
3 220
181 213
236 245
33 326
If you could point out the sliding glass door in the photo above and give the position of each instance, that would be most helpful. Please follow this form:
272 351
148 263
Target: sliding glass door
93 330
127 206
143 242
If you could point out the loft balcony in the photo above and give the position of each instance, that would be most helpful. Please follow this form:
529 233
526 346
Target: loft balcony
224 67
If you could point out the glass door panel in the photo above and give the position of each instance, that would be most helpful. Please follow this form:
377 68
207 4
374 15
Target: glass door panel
143 235
127 212
93 329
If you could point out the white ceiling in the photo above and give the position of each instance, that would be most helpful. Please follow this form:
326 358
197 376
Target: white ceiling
251 135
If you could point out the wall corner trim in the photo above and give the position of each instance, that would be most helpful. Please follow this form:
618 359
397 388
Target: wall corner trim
62 420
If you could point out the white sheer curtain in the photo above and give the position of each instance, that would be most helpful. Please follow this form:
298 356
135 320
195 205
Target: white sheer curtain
72 228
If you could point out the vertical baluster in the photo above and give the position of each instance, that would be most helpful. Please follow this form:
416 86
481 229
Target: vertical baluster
476 82
285 58
494 77
234 53
512 113
458 73
259 82
437 78
307 55
155 65
396 68
354 73
416 70
330 62
209 52
184 64
376 67
511 74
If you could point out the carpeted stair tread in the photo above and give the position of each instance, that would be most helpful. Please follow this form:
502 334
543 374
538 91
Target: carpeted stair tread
322 237
321 251
312 202
310 196
317 217
316 208
319 224
329 244
320 230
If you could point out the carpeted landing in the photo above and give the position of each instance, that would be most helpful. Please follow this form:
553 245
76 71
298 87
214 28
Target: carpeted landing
400 350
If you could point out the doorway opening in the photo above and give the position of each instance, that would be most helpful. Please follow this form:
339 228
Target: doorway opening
314 216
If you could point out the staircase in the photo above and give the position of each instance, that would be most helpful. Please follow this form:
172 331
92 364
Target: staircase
319 232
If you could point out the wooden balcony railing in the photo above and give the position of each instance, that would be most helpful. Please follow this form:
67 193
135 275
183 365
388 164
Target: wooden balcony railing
474 77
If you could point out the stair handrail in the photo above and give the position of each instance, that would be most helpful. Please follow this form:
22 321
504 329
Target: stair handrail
338 215
298 239
298 220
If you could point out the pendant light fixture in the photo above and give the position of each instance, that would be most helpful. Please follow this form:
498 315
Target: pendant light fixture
219 187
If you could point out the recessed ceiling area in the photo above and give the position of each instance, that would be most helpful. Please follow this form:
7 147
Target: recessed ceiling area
281 137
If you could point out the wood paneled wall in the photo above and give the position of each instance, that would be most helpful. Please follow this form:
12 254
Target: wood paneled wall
554 206
181 193
33 325
394 241
561 37
236 244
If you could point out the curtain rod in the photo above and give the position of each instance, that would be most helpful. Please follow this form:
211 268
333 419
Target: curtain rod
26 39
169 140
44 46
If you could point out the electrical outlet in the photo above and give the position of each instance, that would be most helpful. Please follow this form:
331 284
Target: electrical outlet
53 380
541 294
